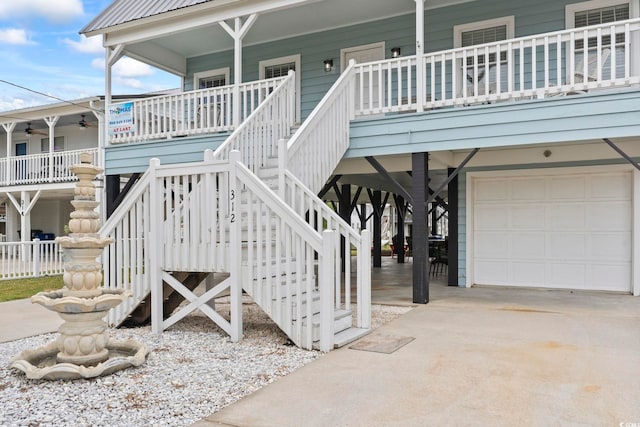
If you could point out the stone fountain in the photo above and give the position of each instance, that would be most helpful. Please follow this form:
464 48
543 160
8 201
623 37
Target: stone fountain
83 349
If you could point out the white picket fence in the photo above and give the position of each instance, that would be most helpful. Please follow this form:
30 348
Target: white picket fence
30 259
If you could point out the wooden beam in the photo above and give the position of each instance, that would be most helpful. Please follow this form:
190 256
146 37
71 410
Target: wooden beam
420 242
452 242
382 171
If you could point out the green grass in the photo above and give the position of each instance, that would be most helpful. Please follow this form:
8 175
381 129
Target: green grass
25 288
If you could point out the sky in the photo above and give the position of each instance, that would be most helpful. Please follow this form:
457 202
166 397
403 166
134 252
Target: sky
42 50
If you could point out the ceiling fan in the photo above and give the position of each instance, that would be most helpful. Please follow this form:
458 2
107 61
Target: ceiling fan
29 131
85 124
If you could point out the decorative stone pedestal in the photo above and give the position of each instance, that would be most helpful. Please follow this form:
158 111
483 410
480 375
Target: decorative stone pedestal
83 349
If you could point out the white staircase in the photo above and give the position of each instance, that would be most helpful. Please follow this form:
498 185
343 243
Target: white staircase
242 211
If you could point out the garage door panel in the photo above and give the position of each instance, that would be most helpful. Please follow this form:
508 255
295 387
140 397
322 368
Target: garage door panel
609 277
528 273
492 190
568 246
567 188
527 217
565 275
490 217
527 245
491 272
567 217
610 247
611 187
566 230
612 216
492 245
527 189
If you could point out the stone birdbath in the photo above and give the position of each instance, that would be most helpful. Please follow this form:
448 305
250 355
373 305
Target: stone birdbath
83 349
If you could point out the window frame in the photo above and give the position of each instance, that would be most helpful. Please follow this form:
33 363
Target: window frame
284 60
226 71
45 141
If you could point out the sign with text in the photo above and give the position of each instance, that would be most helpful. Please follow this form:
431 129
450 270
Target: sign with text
121 119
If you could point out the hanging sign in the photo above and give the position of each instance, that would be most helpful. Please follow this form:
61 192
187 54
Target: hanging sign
121 119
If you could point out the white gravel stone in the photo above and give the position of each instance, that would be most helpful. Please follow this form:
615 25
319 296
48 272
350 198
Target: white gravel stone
192 371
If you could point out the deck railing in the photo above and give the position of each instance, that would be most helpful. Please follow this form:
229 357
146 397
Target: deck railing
194 112
30 259
535 66
41 168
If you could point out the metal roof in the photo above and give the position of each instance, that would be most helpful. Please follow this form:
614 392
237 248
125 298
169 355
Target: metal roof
121 11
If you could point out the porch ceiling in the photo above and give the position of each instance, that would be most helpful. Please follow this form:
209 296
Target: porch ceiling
310 17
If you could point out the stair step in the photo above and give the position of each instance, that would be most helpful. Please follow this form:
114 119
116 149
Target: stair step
348 336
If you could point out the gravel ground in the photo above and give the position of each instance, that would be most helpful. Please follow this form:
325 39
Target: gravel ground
192 371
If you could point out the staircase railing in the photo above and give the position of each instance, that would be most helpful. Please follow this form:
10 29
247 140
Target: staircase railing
257 137
318 214
317 147
213 216
280 258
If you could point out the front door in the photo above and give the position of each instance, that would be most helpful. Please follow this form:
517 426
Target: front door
369 93
21 165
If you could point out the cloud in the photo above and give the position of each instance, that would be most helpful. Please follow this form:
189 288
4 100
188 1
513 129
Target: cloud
86 44
54 11
126 68
14 36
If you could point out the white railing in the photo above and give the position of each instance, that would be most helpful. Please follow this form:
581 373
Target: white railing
214 216
317 147
257 137
194 112
30 259
318 214
526 67
41 168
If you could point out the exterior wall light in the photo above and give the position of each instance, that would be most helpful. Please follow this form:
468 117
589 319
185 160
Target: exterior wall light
328 65
395 52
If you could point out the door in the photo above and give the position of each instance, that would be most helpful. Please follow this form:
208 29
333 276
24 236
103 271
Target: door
369 91
21 164
566 230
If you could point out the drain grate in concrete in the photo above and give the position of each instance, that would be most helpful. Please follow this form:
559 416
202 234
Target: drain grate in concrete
380 343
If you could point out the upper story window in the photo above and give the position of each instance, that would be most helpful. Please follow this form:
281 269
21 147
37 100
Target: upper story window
58 144
477 33
211 78
279 67
593 13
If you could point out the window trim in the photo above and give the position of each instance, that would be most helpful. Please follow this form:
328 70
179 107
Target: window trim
509 21
284 60
46 140
570 10
226 71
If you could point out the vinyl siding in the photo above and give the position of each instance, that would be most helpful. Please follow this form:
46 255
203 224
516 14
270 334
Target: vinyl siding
124 159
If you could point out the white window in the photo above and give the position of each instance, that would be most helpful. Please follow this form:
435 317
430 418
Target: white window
594 13
58 144
482 32
211 78
279 67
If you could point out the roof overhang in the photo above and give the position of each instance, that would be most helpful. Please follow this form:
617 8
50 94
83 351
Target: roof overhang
167 40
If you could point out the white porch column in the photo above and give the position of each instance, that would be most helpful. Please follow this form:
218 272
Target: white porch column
100 193
238 34
9 128
51 122
420 92
112 55
12 222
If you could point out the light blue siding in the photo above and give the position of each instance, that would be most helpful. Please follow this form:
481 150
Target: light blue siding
399 31
122 159
561 119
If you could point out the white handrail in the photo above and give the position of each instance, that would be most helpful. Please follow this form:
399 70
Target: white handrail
41 168
503 70
194 112
257 137
317 147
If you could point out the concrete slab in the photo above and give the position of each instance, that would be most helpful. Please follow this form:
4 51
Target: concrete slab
481 356
21 319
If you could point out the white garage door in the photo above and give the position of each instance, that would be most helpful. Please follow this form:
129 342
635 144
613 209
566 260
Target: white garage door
558 231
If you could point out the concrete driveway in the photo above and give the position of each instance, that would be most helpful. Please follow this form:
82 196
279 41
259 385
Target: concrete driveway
481 356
